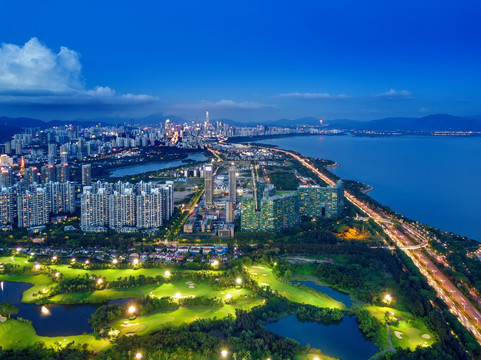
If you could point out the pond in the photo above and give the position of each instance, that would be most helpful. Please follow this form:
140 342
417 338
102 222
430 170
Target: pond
342 340
155 166
50 320
335 294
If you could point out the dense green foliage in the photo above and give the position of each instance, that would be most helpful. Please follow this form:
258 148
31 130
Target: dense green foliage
40 351
204 339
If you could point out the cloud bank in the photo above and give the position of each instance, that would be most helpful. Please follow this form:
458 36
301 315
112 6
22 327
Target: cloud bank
392 94
299 95
33 76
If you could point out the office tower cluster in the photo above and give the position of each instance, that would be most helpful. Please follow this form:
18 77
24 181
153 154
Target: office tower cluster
318 201
33 205
264 210
126 207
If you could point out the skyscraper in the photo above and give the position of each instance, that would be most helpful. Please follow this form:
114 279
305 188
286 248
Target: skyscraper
318 201
232 185
6 206
52 153
93 208
33 208
209 185
61 197
121 209
86 174
229 212
149 209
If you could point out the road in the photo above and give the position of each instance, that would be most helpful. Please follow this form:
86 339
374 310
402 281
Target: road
410 241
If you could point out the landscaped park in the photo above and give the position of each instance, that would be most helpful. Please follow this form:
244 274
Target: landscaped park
140 300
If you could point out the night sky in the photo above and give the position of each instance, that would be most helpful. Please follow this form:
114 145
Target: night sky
243 60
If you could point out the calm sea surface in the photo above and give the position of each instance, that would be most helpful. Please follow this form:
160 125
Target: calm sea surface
431 179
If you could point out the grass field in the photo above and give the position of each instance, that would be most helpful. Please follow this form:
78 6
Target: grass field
147 324
411 328
265 277
15 334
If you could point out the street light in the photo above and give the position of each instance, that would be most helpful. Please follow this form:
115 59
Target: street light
99 281
167 273
388 298
115 261
138 356
215 263
136 261
37 266
57 274
54 258
224 353
238 281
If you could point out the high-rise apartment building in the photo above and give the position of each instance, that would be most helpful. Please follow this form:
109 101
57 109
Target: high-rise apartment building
93 208
61 197
143 205
33 208
6 206
209 185
86 174
232 185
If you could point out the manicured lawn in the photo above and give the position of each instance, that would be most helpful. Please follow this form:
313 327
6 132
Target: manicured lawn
147 324
410 327
95 297
412 332
265 277
15 334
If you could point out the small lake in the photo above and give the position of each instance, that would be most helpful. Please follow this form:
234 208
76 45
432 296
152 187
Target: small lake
335 294
155 166
61 320
343 340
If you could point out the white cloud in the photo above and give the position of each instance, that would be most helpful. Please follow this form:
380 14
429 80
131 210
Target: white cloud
33 74
35 67
225 105
396 94
298 95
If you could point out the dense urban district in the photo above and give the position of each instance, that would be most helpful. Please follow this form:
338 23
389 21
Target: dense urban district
187 242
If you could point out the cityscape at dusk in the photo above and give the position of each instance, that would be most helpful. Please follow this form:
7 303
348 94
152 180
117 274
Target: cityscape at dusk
240 180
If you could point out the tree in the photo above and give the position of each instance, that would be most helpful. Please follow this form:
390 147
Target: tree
7 309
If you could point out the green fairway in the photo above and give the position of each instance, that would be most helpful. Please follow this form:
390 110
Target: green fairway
16 334
265 277
410 334
147 324
410 331
184 288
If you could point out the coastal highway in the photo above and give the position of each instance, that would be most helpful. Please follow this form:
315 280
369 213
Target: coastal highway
410 241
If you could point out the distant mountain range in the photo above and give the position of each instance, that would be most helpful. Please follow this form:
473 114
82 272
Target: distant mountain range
438 122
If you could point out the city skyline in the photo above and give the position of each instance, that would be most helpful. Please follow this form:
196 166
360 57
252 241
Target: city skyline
247 63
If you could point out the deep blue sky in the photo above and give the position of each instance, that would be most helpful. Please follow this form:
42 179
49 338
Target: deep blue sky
245 60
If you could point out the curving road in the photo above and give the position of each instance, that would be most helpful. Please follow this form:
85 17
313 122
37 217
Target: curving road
409 240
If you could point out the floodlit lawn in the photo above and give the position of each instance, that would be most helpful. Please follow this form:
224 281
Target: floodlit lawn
113 274
15 334
265 277
147 324
411 328
411 334
199 288
95 297
313 354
